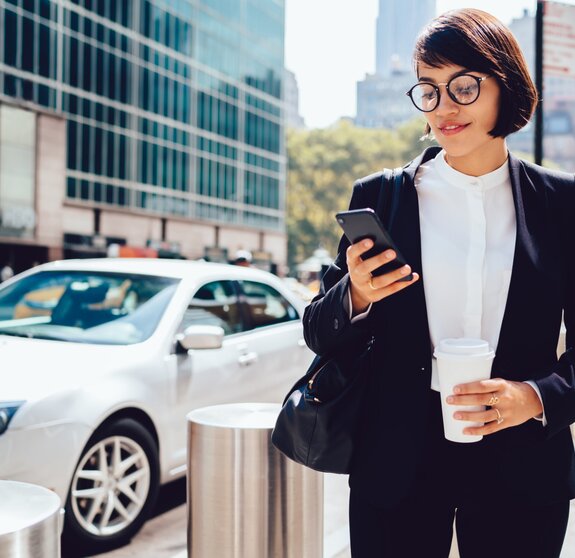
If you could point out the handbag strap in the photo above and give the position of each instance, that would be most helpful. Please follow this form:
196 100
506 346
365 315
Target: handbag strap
388 199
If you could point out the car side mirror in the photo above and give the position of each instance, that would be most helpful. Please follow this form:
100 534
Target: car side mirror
200 337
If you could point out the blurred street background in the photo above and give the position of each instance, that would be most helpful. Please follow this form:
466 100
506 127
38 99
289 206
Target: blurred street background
207 128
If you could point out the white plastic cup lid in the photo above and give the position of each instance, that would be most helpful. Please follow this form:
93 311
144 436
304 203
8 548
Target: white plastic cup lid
463 346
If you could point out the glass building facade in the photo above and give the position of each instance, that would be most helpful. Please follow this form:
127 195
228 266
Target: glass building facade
172 107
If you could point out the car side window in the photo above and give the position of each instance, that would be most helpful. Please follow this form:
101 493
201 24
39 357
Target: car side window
265 305
214 303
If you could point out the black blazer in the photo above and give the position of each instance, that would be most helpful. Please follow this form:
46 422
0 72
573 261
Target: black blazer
531 462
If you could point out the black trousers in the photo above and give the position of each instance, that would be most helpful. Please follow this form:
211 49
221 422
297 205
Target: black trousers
452 484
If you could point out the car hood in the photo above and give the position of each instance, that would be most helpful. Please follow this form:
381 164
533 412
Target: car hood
35 368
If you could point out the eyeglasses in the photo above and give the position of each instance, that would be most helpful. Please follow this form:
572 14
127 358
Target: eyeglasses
463 89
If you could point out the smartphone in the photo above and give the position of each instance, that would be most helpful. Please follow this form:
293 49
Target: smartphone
358 224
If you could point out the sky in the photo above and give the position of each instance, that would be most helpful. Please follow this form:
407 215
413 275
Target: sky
330 45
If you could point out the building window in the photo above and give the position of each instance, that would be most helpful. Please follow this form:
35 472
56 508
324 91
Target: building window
17 164
97 57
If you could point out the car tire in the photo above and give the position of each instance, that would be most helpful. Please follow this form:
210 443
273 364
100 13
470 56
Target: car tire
113 489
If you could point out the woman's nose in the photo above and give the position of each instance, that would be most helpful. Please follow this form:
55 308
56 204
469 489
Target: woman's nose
446 104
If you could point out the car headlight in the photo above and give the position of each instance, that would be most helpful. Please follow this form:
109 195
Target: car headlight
7 411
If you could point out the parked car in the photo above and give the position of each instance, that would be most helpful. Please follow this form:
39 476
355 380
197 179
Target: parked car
102 360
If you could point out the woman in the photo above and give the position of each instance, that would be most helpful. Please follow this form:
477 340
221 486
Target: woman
490 240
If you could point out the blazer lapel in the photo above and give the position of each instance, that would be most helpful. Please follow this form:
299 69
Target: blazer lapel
407 236
406 231
530 222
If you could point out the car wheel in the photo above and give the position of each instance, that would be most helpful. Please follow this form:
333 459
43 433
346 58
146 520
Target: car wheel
113 489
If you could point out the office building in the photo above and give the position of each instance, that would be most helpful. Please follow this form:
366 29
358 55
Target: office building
558 103
293 119
399 23
145 123
381 102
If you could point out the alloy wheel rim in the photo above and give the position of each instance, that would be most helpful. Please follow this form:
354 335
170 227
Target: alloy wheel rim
110 486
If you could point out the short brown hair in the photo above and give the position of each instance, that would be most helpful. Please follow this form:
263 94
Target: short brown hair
479 42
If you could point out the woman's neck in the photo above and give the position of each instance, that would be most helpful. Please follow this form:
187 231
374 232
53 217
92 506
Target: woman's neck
480 161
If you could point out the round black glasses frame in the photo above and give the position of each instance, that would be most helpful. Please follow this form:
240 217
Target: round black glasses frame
479 80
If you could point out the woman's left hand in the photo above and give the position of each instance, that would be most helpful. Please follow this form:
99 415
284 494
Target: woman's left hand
509 404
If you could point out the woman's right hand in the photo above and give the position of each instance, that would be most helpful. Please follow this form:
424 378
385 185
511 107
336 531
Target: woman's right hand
365 288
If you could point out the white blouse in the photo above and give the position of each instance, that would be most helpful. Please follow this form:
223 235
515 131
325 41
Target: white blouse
467 245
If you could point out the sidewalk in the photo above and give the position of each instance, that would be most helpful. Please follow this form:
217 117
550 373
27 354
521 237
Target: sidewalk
335 517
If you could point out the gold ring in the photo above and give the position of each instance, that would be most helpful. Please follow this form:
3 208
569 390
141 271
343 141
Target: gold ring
493 401
499 417
371 284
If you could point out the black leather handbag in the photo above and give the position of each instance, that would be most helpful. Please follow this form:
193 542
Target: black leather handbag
317 424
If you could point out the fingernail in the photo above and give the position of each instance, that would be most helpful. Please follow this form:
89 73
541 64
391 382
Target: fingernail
389 255
405 270
457 389
456 416
367 243
450 399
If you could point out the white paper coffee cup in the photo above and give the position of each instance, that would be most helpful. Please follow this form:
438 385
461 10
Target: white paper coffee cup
460 361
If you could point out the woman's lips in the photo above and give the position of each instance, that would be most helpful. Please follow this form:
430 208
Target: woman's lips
452 129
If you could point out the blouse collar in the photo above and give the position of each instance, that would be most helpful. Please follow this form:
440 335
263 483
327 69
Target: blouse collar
455 178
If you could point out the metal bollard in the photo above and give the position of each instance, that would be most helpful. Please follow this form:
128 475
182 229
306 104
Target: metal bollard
30 521
246 499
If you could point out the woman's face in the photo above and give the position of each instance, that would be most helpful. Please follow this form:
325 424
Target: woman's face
463 130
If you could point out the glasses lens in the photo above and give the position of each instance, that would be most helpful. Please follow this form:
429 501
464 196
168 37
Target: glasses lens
424 97
464 89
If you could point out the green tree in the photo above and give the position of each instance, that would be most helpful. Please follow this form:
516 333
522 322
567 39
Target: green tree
322 167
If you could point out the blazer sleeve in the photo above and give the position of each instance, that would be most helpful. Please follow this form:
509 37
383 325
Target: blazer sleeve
558 388
326 323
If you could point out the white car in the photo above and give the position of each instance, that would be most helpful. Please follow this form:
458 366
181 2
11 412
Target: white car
102 360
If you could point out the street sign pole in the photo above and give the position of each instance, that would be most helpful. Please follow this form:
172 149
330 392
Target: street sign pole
539 82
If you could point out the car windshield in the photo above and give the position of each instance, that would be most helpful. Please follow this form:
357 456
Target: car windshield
85 307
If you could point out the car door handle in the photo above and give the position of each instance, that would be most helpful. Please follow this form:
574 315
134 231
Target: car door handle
247 359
